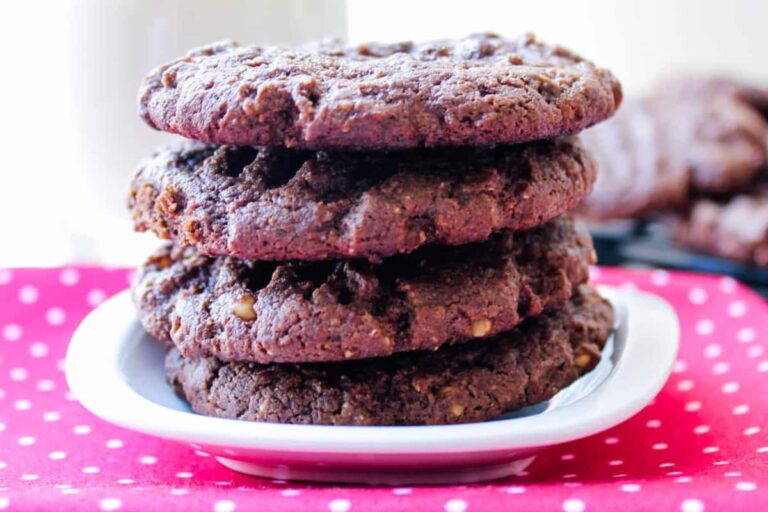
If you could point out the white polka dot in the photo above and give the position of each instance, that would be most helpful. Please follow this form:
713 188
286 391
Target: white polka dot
38 349
110 504
698 296
567 456
720 368
660 446
2 427
660 277
114 444
683 479
148 459
70 491
295 492
701 429
12 332
69 277
711 449
224 506
22 405
55 316
750 431
746 335
666 464
755 351
740 409
762 366
679 366
45 385
705 327
51 416
454 505
184 474
81 430
630 487
341 505
573 505
615 462
202 453
685 385
713 350
28 294
3 465
693 406
96 297
125 481
179 492
732 473
692 505
6 276
737 309
4 501
29 477
91 470
570 475
26 441
730 387
57 455
611 440
653 423
746 486
727 284
18 374
516 489
762 449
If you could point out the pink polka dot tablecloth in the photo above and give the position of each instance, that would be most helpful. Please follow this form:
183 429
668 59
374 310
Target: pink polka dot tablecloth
701 445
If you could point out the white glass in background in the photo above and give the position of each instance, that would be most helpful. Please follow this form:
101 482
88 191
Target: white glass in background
72 135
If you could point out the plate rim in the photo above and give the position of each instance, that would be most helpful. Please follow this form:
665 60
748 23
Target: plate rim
650 349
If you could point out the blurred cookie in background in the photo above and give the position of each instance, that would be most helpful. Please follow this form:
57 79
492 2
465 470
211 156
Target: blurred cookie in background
677 143
736 228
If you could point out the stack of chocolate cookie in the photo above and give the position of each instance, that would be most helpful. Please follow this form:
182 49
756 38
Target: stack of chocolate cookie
374 234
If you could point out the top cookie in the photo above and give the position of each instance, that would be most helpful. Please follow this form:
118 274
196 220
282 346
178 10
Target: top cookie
475 91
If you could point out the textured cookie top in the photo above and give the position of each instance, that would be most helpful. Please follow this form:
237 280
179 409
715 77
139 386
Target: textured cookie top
278 204
476 91
736 228
659 152
473 381
353 309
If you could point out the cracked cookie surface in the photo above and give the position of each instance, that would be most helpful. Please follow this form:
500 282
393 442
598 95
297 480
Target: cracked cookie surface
475 91
279 204
353 309
473 381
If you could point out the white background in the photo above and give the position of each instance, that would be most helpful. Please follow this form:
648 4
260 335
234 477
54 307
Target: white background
70 72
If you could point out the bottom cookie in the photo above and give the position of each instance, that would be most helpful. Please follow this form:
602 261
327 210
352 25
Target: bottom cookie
736 229
457 384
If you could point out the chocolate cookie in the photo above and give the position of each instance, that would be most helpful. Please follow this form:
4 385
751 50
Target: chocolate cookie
657 153
475 91
278 204
736 228
469 382
352 309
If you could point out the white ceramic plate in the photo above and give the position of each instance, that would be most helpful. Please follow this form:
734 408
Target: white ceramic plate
116 371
